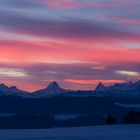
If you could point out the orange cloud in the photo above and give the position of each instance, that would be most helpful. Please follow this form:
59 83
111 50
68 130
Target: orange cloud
94 81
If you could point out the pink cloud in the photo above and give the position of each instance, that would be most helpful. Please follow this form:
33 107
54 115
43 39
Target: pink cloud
86 4
57 52
59 4
93 82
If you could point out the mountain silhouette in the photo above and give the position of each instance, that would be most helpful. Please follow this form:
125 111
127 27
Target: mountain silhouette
53 89
13 90
122 86
101 87
4 88
53 86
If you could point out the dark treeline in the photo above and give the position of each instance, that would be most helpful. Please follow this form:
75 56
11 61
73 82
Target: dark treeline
17 112
132 117
32 121
42 121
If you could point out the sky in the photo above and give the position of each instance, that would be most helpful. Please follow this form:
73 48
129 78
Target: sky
77 43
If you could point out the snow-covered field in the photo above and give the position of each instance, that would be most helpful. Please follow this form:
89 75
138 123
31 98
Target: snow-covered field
114 132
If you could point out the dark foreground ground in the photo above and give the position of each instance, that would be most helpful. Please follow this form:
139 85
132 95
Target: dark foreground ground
106 132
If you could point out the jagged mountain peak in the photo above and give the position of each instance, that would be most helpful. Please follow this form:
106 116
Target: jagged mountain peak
4 88
101 84
137 85
13 87
130 82
12 90
100 87
137 82
52 89
53 85
122 86
2 85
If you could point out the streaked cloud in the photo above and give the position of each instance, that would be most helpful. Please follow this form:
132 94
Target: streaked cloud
128 73
93 82
75 42
12 72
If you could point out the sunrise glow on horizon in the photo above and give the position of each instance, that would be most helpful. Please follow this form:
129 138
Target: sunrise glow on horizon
75 42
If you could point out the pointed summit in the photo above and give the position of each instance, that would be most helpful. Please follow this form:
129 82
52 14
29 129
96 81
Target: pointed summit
122 86
14 89
101 87
137 82
3 85
4 88
53 86
137 85
52 89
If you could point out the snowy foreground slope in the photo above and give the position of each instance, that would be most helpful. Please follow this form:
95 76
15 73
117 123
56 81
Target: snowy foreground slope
112 132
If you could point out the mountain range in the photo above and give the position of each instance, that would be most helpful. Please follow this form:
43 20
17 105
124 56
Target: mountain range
128 86
53 89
